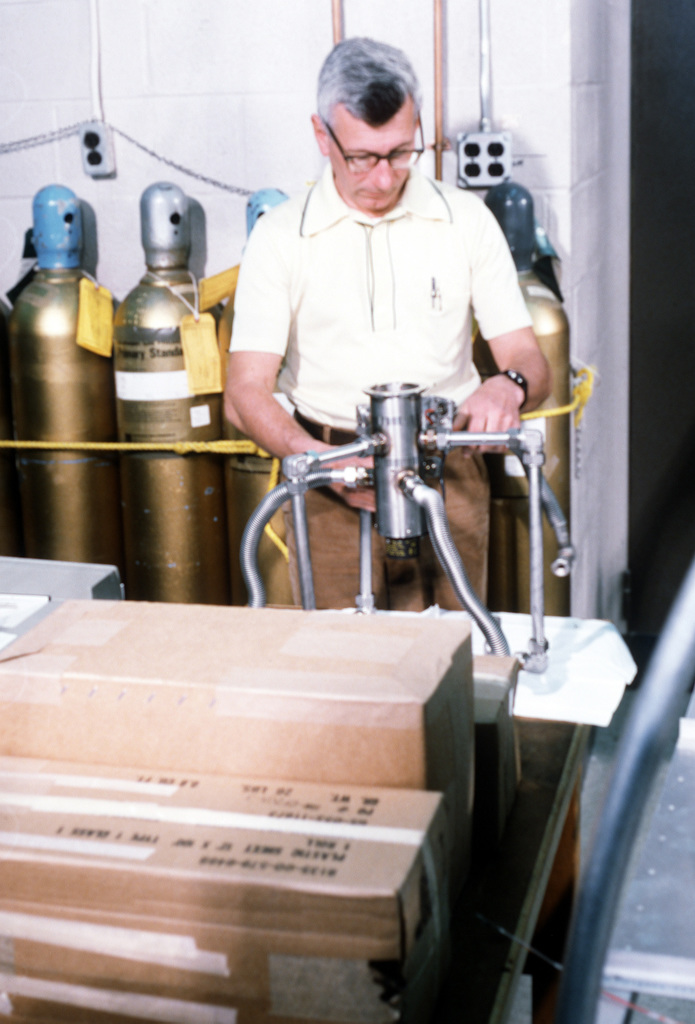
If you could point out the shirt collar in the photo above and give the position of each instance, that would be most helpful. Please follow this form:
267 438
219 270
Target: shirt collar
324 206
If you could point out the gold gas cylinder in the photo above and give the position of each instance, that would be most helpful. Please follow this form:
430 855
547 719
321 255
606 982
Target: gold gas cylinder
247 479
174 517
508 574
10 514
62 392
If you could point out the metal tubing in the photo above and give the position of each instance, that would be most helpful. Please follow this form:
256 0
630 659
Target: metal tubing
438 103
337 10
365 598
562 566
485 122
528 445
539 644
647 739
301 540
432 503
296 467
444 439
251 538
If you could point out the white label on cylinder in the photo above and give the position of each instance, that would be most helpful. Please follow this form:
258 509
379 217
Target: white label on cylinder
200 416
151 387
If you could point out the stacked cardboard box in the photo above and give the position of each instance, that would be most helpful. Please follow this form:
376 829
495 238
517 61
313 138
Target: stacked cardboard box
282 901
354 702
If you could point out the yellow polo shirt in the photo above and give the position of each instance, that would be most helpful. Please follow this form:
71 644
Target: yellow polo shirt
350 302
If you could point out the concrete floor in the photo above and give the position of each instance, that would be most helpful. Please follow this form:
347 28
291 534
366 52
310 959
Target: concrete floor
601 758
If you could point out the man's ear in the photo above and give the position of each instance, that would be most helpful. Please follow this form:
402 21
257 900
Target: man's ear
320 133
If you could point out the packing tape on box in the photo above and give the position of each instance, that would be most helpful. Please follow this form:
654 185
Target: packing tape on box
47 678
47 780
265 700
200 816
127 1004
162 948
86 847
38 681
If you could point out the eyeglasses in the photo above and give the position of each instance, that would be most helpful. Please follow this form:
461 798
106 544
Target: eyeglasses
398 159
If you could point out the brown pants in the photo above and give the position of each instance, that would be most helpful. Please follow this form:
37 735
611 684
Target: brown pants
410 584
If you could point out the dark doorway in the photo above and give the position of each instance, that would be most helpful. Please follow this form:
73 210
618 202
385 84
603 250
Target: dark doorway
662 346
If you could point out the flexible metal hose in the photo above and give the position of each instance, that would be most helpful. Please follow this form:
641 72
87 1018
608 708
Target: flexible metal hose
647 738
432 503
562 565
261 515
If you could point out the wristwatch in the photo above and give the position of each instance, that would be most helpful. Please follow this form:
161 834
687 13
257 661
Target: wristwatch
519 379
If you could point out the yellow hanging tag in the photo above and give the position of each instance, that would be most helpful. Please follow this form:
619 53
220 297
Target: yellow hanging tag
201 354
215 289
95 318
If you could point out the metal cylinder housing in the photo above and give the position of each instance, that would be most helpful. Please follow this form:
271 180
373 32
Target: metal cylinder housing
395 412
165 226
57 232
174 516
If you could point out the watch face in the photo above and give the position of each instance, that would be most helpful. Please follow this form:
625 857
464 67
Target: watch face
519 379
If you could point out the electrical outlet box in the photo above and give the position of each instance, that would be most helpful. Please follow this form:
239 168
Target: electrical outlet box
97 149
484 158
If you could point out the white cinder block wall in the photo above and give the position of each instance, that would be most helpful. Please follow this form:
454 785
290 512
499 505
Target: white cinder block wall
225 88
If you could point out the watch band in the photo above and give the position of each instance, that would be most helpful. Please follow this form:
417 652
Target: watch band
519 379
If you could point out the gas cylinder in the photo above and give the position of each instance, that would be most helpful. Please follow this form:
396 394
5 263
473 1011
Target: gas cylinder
10 515
62 392
174 518
508 585
247 477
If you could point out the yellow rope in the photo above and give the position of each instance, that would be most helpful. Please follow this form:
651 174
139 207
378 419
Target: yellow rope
581 393
178 447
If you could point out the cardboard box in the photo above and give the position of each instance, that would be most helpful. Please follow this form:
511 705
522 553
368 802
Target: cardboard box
497 757
285 694
279 901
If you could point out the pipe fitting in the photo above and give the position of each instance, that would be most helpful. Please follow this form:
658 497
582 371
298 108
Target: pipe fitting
562 566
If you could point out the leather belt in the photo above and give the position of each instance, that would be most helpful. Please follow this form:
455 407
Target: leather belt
322 432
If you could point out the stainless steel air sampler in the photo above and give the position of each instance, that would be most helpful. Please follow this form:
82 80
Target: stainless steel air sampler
408 435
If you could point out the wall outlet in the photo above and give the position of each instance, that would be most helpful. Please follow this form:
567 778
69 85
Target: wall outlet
96 145
484 158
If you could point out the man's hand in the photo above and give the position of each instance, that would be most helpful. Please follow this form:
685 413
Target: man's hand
495 406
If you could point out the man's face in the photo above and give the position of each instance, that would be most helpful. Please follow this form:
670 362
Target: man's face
377 191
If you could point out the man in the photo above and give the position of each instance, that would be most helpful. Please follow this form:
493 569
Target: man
371 279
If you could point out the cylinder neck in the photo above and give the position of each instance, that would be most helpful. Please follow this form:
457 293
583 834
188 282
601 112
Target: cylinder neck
163 277
57 274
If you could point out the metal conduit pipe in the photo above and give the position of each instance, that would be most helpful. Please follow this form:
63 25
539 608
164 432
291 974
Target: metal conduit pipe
484 11
439 144
556 518
337 11
647 738
261 515
432 503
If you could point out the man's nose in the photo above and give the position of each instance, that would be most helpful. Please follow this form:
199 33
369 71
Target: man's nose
383 174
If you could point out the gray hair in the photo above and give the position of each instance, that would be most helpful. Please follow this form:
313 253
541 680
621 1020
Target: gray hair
372 80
